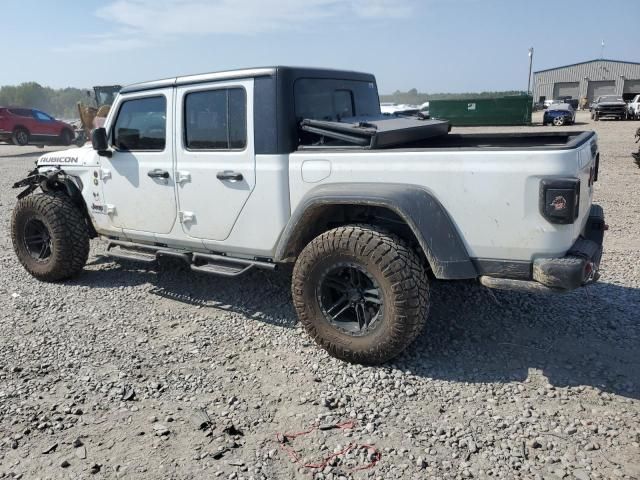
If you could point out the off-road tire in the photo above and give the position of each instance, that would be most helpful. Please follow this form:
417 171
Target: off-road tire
396 268
67 229
20 136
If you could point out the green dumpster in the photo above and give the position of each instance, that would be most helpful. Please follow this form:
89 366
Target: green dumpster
511 110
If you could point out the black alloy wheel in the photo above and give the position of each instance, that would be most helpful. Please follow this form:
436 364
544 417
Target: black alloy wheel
350 299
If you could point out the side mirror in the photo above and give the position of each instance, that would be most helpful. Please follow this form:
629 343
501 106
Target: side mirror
99 141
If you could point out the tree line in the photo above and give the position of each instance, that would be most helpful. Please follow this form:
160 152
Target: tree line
61 102
413 97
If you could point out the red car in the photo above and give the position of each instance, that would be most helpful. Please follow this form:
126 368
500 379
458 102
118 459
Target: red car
28 125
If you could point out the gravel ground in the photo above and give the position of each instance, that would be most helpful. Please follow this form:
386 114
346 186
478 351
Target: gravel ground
133 373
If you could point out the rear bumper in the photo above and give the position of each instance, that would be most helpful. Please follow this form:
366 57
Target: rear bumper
580 266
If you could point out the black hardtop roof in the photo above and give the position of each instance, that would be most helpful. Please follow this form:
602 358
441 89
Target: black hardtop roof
296 72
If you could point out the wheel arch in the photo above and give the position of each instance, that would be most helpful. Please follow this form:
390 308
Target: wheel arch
58 181
412 212
20 126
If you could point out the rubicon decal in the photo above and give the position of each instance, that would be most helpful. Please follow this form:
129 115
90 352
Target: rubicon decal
58 160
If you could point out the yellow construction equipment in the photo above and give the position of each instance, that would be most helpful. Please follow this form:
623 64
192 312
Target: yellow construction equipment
92 116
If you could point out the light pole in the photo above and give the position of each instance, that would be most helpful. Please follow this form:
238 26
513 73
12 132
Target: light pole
530 65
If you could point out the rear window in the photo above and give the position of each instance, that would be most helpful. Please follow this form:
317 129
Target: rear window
334 99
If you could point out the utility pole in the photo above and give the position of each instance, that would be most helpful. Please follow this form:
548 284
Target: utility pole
602 50
530 65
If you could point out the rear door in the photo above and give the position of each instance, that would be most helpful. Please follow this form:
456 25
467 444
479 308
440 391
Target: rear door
215 156
137 181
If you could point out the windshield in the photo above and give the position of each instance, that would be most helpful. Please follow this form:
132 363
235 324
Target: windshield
611 98
333 99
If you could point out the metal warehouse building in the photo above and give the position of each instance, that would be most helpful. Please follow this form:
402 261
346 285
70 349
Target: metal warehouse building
588 79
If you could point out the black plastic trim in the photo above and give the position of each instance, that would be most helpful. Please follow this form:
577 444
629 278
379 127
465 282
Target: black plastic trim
512 269
422 212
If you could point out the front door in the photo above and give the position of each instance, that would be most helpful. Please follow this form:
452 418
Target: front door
44 125
215 156
138 181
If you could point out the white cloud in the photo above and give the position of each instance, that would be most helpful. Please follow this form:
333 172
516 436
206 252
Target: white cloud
138 23
242 17
105 42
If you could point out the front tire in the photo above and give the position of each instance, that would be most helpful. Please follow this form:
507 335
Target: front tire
66 137
361 293
558 121
50 236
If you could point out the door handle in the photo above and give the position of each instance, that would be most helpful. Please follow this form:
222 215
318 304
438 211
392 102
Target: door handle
229 175
157 173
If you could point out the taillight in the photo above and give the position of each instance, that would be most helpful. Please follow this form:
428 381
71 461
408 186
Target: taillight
560 200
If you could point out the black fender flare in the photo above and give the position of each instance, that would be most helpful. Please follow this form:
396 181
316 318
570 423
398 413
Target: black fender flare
56 180
423 213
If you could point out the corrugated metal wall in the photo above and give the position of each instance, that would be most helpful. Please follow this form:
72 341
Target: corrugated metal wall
594 71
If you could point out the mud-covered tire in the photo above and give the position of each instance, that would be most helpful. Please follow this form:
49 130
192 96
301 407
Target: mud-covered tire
66 230
399 274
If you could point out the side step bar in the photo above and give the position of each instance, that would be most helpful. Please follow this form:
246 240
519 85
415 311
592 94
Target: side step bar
199 262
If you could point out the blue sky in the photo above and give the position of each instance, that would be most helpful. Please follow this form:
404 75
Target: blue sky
431 45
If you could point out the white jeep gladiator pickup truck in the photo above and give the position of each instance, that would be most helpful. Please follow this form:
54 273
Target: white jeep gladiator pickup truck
257 168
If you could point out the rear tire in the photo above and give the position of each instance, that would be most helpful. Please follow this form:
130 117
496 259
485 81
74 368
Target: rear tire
558 121
389 298
50 236
20 136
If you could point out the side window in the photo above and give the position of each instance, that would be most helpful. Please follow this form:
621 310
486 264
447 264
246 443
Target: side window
21 112
141 124
42 117
216 119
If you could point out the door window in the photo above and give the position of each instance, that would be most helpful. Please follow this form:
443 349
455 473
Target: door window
216 120
21 112
41 116
141 124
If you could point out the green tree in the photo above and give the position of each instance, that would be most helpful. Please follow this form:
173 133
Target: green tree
61 103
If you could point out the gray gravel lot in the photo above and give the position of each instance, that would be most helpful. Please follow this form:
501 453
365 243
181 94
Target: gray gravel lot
133 373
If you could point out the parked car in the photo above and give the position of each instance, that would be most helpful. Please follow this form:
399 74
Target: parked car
633 108
609 106
28 125
548 103
559 114
537 106
574 102
241 177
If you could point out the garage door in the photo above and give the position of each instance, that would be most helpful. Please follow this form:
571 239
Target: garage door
631 89
565 89
597 89
632 86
